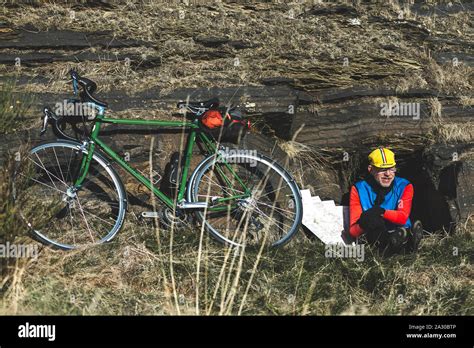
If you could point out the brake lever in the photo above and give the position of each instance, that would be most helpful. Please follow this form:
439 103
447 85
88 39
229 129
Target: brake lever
74 86
73 75
46 115
45 124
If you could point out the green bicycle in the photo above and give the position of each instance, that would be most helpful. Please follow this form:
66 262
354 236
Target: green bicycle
76 198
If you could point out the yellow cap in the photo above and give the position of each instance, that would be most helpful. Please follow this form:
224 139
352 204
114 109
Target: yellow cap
382 158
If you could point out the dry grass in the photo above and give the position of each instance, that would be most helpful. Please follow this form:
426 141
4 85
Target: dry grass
14 107
12 228
130 277
435 109
445 131
308 163
449 79
307 48
466 101
455 132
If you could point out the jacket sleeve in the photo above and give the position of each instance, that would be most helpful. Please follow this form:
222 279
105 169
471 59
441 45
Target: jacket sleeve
355 211
400 215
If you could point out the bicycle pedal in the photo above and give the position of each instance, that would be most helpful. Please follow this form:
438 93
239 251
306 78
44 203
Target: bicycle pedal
150 214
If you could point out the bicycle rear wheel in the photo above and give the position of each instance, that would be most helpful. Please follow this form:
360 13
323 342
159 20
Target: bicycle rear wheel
56 213
270 209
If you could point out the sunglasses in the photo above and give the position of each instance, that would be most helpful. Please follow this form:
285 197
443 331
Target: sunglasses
388 170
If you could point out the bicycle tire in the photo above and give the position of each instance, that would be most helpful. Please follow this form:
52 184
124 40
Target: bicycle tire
193 195
91 199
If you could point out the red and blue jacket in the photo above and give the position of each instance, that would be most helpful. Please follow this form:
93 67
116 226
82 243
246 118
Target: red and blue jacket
397 204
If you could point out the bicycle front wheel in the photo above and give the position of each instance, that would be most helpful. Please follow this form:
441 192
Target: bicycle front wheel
57 214
251 200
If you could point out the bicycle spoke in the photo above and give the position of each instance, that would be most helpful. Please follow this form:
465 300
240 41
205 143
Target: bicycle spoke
68 173
41 183
270 219
85 220
280 209
99 218
54 167
47 171
57 161
223 187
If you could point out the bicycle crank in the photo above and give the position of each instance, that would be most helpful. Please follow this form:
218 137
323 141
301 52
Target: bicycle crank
168 218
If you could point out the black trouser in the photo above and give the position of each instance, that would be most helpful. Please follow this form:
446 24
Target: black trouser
385 239
377 235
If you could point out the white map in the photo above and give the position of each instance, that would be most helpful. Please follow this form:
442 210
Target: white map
323 218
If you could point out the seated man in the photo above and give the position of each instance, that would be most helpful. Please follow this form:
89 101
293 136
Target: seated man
380 206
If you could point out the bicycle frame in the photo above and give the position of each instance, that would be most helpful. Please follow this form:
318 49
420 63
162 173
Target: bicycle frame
187 125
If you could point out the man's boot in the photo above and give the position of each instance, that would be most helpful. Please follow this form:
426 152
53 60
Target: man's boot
397 239
414 237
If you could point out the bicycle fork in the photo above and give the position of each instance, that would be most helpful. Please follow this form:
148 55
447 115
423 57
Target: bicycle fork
81 173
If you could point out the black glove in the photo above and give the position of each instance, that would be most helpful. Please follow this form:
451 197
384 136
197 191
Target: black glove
372 218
